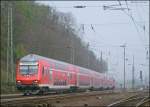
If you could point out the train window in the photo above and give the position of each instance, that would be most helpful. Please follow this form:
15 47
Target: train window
67 75
47 71
43 71
23 69
28 69
60 82
50 74
33 69
70 76
65 82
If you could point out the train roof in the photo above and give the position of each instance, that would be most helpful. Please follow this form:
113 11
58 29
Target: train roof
34 58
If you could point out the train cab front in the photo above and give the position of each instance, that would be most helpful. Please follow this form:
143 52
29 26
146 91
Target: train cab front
27 75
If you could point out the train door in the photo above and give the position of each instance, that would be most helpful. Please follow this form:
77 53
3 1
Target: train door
51 73
45 77
50 76
52 67
91 80
76 76
44 72
71 76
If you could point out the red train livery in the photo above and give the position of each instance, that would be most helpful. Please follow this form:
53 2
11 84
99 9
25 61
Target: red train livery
35 72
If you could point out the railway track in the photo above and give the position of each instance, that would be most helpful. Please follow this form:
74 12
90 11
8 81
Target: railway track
144 102
138 100
6 96
41 101
38 100
12 96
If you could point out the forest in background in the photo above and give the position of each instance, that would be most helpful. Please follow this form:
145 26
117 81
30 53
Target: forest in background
43 30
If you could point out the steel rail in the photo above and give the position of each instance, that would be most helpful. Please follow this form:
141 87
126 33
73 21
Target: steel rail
121 101
143 101
10 96
126 100
34 99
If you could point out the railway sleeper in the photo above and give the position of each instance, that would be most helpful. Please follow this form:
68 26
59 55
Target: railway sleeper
44 105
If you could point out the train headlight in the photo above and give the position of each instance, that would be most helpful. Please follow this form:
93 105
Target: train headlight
18 81
35 82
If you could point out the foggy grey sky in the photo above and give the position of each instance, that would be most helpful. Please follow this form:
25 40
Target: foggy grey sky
112 29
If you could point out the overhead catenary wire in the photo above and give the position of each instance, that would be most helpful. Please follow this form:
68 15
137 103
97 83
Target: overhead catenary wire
138 12
140 17
89 6
130 15
92 27
96 33
127 4
116 46
110 23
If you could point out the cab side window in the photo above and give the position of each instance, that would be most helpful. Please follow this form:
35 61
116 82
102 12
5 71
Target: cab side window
70 76
50 72
43 71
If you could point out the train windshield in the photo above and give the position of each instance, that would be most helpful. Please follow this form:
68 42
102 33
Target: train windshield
28 69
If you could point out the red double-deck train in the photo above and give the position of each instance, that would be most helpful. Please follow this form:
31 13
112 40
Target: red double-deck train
35 72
